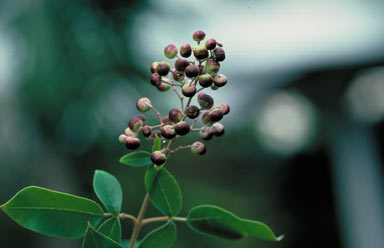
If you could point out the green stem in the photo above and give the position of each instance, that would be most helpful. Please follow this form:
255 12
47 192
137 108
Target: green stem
139 221
163 218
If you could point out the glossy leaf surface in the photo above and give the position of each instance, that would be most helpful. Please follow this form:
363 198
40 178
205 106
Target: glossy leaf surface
95 239
111 228
162 237
137 159
108 190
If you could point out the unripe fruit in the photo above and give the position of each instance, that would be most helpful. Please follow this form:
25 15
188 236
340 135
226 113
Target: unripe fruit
205 101
185 50
154 67
200 52
128 132
158 158
136 122
224 107
198 35
192 71
210 44
181 64
175 115
198 148
163 68
176 76
165 120
163 87
182 128
205 80
219 54
146 131
168 132
170 51
132 143
205 118
122 138
212 66
216 115
155 79
154 134
188 90
192 112
206 133
143 104
218 129
220 80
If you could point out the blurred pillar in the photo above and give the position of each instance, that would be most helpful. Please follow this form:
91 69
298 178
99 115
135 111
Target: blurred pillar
358 185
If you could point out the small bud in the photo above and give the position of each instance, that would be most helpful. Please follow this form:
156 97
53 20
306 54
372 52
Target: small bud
163 87
219 54
136 122
205 101
220 80
143 104
206 133
155 79
188 90
170 51
205 80
198 35
216 115
129 132
198 148
146 131
155 133
181 64
218 129
200 52
165 120
168 132
210 44
192 71
224 107
175 115
185 50
212 66
192 112
154 67
122 138
182 128
163 68
132 143
205 118
158 158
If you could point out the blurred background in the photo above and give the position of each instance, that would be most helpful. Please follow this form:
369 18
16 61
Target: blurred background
304 143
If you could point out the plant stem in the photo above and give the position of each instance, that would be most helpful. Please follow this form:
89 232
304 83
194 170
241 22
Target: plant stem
157 113
180 148
163 218
139 221
180 97
128 216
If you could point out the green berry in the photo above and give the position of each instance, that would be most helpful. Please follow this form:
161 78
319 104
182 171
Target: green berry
212 66
154 67
143 104
198 148
200 52
188 90
206 133
163 87
205 80
170 51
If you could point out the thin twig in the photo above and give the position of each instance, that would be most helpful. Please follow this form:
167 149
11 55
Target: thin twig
179 96
163 218
139 222
180 148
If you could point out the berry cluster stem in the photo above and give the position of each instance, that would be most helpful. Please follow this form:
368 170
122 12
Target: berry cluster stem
139 221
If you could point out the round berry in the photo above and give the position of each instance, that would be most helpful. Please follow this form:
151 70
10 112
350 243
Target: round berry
136 122
205 101
163 87
224 107
216 115
182 128
188 90
205 80
143 104
155 79
198 148
132 143
181 64
168 132
192 112
218 129
219 54
200 52
210 44
205 118
192 71
128 132
198 35
220 80
206 133
122 138
212 66
175 115
158 158
154 67
146 131
163 68
170 51
185 50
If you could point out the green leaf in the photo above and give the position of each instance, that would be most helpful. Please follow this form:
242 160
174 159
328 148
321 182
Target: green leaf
108 190
162 237
163 190
111 228
156 144
137 159
216 221
95 239
52 213
125 243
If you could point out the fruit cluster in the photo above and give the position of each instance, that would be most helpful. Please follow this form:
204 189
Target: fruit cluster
186 75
